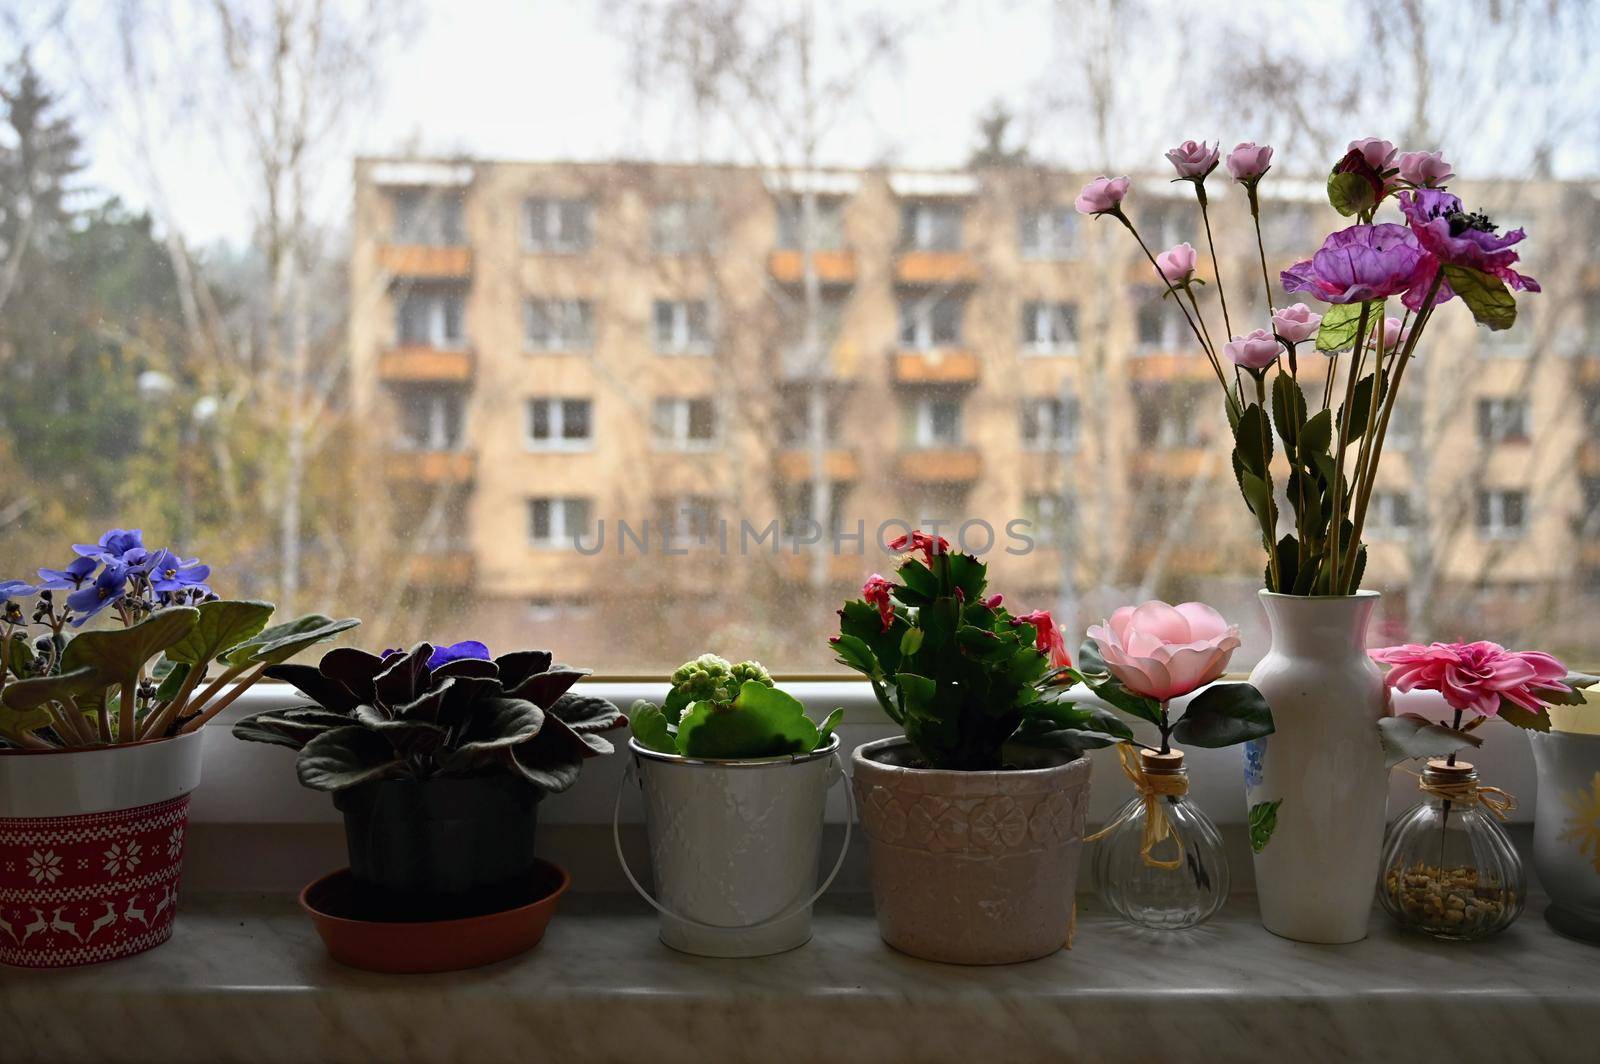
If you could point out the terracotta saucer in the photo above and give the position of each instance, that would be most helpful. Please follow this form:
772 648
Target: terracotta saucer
336 906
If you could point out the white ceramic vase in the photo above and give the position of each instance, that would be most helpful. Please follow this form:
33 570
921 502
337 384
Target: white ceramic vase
1317 788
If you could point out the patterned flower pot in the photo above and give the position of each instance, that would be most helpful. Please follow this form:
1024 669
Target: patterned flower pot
91 847
972 867
1566 830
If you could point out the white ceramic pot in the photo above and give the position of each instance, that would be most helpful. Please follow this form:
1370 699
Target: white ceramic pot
1317 849
734 847
1566 830
91 849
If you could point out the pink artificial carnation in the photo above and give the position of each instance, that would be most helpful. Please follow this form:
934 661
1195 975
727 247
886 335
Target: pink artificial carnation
1177 263
1193 160
1102 195
1296 322
1048 639
1256 349
1248 161
1475 676
1164 652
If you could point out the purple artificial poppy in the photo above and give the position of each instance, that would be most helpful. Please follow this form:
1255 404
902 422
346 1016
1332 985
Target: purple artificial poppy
1360 263
113 544
467 648
73 576
172 575
109 588
1448 234
15 589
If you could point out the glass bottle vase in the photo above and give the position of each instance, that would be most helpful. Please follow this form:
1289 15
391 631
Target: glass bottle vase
1449 869
1184 881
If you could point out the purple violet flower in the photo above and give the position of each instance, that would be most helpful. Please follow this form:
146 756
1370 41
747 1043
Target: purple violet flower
73 576
467 648
1448 234
15 589
109 588
113 544
170 574
1360 263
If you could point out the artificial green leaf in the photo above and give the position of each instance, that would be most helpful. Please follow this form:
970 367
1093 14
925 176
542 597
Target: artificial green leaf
1259 498
1485 295
1263 822
345 757
1410 735
1317 436
1577 681
1222 715
222 625
1113 691
650 728
1339 326
1367 388
1288 410
1253 441
280 642
118 654
764 722
1089 660
1350 194
289 727
1528 720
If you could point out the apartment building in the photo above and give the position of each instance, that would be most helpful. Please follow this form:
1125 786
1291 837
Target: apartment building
605 392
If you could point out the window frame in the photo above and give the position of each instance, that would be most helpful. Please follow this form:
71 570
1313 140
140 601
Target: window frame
680 422
561 342
554 241
556 416
566 538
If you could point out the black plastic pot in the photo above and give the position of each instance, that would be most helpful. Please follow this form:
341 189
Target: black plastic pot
443 844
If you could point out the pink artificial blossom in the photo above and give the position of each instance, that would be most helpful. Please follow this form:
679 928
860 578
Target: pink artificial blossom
1257 349
1165 652
1192 160
1048 639
1378 153
1425 169
1102 195
1475 676
1248 161
1393 334
1296 322
1177 264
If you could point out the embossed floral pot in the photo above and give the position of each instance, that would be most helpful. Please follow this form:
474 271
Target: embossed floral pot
1566 830
1316 788
972 867
734 847
91 848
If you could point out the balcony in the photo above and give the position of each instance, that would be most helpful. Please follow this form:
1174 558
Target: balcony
939 365
423 364
452 568
1176 463
430 467
794 464
949 465
425 261
1165 367
935 268
833 267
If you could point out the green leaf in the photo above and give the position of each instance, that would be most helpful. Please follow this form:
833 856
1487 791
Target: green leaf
26 702
1222 715
1485 295
1338 329
911 642
1263 822
550 760
1575 697
1259 497
1317 436
281 642
221 626
345 757
1112 691
919 581
968 574
1367 388
118 654
826 728
649 726
916 691
19 654
1350 194
1518 717
1412 735
289 727
854 653
171 682
938 622
764 722
1253 440
1090 663
1288 410
496 723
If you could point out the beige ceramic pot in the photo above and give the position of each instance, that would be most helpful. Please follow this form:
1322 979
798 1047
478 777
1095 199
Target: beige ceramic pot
972 867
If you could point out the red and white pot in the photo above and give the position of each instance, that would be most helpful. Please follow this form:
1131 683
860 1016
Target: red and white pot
91 848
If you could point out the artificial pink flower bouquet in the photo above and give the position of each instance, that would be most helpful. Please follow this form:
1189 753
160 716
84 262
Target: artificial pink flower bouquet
1436 251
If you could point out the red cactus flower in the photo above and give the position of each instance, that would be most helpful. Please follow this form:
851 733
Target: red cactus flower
876 593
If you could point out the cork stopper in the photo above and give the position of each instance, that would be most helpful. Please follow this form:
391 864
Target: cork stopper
1441 771
1155 763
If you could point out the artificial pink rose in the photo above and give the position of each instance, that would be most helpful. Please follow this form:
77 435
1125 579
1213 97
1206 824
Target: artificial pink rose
1393 334
1425 169
1256 349
1296 322
1475 676
1378 153
1193 160
1176 263
1249 160
1101 195
1164 652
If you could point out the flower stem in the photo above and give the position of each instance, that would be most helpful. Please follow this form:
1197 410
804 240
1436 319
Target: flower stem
1272 502
1216 271
1337 518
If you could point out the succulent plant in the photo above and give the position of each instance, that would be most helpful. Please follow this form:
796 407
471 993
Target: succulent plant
720 711
431 712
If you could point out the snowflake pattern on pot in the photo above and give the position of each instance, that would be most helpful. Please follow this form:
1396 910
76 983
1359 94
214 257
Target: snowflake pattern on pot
44 866
122 858
175 843
1255 756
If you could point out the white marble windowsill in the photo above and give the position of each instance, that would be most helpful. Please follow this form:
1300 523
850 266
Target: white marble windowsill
245 979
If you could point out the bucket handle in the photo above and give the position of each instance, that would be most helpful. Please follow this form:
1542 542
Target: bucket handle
794 910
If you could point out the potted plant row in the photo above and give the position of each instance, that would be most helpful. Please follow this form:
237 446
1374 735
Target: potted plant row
100 739
438 758
735 777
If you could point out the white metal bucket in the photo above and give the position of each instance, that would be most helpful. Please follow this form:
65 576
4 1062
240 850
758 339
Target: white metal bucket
734 845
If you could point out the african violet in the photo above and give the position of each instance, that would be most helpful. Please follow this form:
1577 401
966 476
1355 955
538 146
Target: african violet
435 712
715 710
147 677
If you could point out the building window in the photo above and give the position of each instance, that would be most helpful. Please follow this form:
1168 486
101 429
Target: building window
1050 424
1502 513
1049 328
431 318
430 419
547 610
559 225
683 227
559 522
827 232
1502 419
930 321
797 361
558 324
1389 515
685 424
682 327
931 226
1161 325
794 415
933 422
430 217
686 519
1051 516
559 424
1048 234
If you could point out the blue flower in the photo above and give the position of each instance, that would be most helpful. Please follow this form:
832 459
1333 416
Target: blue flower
77 571
467 648
171 574
15 589
1255 755
113 544
109 588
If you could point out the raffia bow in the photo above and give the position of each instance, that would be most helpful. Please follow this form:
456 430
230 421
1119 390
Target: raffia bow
1470 792
1151 788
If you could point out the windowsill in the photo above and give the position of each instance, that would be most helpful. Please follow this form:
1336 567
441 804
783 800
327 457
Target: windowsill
684 352
579 352
531 447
